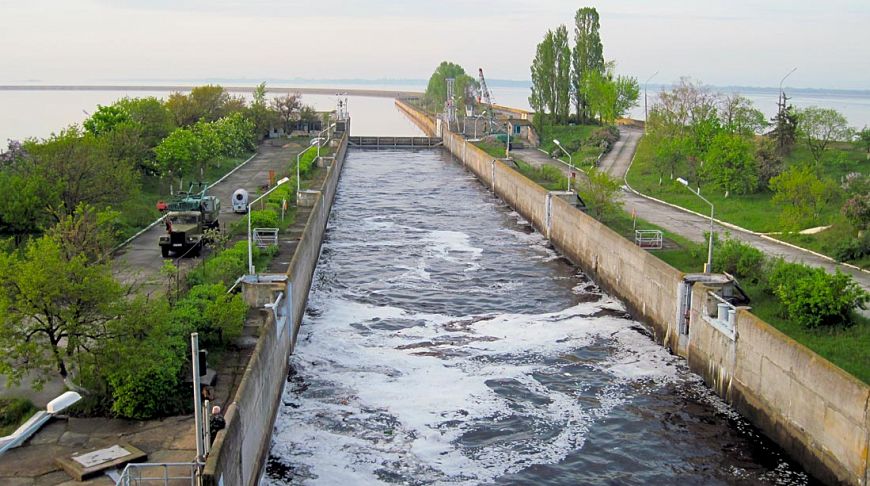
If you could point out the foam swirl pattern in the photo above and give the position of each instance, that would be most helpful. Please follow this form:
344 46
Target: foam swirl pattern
446 343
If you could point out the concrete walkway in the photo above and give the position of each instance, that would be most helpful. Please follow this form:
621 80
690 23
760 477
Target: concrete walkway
681 221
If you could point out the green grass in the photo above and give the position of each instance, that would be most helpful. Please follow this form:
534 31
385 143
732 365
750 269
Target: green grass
571 136
752 211
13 413
843 346
496 150
141 209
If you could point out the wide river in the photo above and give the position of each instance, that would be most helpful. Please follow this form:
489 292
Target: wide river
445 342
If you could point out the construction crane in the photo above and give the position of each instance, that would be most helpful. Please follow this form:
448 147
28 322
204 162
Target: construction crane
485 97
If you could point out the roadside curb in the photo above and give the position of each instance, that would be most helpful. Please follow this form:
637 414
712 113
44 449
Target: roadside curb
158 220
734 226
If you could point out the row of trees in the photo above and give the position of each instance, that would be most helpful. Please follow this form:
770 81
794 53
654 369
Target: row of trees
724 142
562 74
103 163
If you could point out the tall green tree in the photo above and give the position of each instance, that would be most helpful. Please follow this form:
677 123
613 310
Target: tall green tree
55 307
730 164
463 86
801 194
260 113
562 81
588 55
82 169
818 127
738 115
180 153
105 119
543 97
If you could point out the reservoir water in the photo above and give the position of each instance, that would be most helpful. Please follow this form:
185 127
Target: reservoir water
445 342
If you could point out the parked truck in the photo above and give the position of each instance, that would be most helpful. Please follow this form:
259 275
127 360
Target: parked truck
186 218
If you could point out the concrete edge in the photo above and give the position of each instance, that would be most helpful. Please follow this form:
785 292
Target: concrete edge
158 220
734 226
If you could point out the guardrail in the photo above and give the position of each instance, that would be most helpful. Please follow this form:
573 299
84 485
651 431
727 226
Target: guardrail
149 473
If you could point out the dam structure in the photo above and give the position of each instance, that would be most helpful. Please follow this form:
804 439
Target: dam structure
446 342
448 321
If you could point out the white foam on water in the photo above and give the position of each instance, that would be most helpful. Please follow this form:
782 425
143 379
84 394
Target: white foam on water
401 400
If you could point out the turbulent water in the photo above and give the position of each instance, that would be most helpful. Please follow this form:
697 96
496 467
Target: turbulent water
446 343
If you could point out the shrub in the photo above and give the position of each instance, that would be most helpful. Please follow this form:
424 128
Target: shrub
147 391
264 219
739 259
853 249
604 137
812 297
214 314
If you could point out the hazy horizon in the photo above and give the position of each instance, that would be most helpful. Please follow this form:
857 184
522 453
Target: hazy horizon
728 44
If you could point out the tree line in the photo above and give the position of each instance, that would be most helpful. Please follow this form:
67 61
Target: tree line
105 161
564 75
723 143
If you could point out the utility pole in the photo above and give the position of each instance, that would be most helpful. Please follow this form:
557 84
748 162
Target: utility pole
645 112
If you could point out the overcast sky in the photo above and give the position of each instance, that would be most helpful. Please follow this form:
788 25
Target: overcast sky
736 42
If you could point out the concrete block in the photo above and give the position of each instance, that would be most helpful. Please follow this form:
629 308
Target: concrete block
308 198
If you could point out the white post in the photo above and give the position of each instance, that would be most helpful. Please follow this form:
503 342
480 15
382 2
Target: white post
197 397
645 113
250 250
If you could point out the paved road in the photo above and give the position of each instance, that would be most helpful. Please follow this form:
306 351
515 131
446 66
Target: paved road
140 261
680 222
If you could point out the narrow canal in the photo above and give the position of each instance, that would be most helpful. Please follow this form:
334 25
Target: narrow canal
447 343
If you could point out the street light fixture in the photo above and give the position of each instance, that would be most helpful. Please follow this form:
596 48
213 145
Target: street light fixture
783 79
570 162
251 204
708 267
645 113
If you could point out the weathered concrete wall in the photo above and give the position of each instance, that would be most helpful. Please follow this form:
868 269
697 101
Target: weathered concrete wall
813 409
240 451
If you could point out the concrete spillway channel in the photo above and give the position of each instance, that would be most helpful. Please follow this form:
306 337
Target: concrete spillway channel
578 392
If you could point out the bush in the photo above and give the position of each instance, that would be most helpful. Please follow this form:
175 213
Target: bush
264 219
604 137
210 311
149 391
814 298
739 259
13 412
853 249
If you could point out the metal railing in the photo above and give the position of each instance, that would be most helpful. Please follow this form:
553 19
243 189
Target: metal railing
265 237
168 473
650 239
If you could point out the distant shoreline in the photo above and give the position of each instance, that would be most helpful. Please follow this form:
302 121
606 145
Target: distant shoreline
377 93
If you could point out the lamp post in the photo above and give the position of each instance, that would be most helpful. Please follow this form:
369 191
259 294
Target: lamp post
251 204
708 267
570 162
645 113
783 79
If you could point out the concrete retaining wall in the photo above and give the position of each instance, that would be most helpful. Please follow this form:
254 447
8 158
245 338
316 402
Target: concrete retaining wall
813 409
240 451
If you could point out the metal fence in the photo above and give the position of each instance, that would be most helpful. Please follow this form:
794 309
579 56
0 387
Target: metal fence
650 239
150 474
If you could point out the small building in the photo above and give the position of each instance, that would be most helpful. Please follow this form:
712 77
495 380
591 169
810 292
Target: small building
522 128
